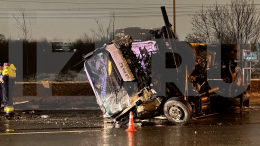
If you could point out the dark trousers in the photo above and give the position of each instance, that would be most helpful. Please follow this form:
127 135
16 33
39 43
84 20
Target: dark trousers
7 87
1 94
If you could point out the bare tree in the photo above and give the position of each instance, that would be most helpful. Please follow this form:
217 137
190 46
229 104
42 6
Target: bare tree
104 32
21 23
196 37
227 23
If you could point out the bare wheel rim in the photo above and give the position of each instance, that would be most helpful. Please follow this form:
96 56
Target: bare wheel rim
176 113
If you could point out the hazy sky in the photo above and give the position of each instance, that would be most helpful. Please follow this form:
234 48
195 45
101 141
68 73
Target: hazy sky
67 20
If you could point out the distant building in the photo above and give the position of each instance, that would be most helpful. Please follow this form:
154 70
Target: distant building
136 33
63 46
251 56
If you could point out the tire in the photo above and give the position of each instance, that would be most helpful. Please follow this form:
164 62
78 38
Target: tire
177 112
187 104
175 98
184 102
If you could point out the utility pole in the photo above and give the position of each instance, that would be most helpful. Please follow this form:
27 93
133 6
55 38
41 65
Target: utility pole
174 17
113 25
107 34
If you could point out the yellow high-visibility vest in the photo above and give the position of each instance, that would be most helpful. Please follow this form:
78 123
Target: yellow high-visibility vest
12 71
9 71
6 71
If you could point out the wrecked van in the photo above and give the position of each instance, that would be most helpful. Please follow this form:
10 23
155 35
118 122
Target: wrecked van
131 76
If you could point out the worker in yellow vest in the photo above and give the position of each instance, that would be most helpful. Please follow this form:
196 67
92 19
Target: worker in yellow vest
7 86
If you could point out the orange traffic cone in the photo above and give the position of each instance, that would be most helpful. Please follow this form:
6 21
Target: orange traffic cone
131 126
131 138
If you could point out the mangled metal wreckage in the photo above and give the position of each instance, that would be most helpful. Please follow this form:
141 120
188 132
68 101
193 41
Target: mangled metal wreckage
123 80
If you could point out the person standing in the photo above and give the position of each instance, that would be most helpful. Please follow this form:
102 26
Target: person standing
7 88
1 95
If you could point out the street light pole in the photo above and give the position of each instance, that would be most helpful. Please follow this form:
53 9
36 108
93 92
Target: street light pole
174 17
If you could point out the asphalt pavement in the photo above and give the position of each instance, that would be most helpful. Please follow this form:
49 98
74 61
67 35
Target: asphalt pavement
80 128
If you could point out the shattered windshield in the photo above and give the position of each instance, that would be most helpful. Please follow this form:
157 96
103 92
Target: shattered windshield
107 83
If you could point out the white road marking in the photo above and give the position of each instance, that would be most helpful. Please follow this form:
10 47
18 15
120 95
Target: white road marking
48 132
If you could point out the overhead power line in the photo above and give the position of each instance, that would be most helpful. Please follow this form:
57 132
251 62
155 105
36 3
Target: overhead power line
92 17
108 3
92 3
146 8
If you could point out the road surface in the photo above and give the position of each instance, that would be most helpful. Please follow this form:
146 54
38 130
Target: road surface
87 128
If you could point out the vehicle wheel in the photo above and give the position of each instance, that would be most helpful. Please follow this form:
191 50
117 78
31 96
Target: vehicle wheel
186 103
177 112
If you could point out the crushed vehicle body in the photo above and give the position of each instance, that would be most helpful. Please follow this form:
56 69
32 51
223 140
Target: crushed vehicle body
112 80
125 77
